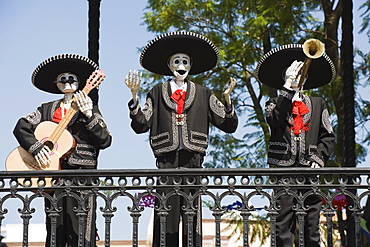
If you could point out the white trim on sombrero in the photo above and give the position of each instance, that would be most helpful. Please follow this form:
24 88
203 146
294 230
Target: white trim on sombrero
186 33
61 57
44 75
292 46
204 54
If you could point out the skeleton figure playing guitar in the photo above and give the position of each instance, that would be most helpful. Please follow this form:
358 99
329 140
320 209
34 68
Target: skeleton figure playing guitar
84 102
74 116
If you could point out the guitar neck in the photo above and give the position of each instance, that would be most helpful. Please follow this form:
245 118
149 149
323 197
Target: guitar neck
66 119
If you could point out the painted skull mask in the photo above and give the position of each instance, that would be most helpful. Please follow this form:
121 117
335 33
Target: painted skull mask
180 65
67 82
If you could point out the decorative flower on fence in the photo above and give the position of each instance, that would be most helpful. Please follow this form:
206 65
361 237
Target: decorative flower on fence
340 201
147 201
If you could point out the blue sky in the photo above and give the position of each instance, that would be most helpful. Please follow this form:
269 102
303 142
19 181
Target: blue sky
32 31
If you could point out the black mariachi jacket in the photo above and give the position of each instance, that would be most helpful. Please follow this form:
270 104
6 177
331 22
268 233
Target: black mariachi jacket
170 131
287 149
90 135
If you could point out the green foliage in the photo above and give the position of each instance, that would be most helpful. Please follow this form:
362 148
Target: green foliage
365 17
259 226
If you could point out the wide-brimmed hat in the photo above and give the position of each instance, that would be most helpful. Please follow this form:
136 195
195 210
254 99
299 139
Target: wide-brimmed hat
45 74
203 53
272 66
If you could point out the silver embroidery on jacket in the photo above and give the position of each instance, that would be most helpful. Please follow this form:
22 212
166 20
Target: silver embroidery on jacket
55 106
186 138
190 95
81 149
166 97
269 108
98 119
153 139
216 106
148 109
193 134
33 118
93 122
34 147
308 103
175 138
279 162
74 161
318 160
278 151
326 121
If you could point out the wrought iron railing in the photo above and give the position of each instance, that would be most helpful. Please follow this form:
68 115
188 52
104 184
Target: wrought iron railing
243 186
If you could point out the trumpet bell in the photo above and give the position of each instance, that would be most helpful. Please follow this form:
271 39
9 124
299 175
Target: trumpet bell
313 48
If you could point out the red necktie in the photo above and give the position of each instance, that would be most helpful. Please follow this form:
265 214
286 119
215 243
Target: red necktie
57 116
179 97
298 110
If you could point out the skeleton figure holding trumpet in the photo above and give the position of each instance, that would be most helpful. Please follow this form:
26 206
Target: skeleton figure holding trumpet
301 132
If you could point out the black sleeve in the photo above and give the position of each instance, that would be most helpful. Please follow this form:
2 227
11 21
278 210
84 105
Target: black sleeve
24 132
278 109
221 116
98 130
141 119
326 139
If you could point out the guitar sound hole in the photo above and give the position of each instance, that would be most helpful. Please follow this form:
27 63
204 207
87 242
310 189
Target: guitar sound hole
49 144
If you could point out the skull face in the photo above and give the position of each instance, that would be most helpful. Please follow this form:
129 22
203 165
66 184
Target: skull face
67 82
179 64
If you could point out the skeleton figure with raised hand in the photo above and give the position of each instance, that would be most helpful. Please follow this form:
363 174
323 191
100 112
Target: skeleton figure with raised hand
178 113
301 133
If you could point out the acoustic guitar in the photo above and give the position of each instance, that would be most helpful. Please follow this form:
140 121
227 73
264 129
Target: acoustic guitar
54 135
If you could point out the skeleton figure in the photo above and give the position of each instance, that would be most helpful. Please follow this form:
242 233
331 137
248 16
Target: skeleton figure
178 113
66 74
301 135
84 102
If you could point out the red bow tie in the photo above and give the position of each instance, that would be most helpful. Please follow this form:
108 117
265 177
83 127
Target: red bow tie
57 116
179 97
298 110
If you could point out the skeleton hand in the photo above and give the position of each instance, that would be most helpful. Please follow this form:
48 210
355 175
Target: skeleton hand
43 157
133 81
291 75
314 164
84 102
229 89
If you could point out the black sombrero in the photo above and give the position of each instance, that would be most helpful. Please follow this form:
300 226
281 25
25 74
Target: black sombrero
202 51
46 72
271 68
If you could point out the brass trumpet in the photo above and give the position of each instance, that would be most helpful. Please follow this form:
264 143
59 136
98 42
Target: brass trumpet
313 49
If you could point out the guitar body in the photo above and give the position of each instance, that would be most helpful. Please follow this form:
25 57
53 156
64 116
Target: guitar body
21 160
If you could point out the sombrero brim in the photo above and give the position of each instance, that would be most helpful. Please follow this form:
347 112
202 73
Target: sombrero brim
271 68
46 72
203 52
